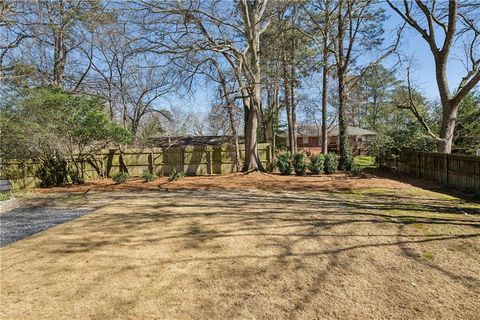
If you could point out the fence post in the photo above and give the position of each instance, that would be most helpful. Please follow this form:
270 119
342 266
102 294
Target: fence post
418 165
24 174
210 159
162 151
151 160
182 161
396 163
269 156
446 168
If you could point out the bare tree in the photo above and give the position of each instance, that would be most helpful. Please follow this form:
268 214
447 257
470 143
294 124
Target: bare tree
130 79
233 32
13 31
44 34
325 72
441 25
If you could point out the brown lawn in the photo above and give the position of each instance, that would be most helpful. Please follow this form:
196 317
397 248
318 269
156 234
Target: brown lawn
252 181
248 247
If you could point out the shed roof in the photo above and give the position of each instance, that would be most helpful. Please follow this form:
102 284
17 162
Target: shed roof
165 141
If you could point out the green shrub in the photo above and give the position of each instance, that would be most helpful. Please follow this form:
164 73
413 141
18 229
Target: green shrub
176 175
284 162
120 177
75 175
316 163
53 172
345 163
357 170
331 163
300 163
5 195
11 172
147 176
381 147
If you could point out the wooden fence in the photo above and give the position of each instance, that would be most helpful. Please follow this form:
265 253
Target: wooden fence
193 160
456 170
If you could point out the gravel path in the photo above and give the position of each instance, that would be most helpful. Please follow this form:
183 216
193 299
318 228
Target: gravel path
20 223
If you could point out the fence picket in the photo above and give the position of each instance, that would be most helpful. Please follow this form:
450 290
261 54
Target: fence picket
461 171
193 160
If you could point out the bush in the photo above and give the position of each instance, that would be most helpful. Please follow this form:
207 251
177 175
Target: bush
11 172
316 163
331 163
120 177
5 195
346 162
381 147
176 175
284 163
53 172
147 176
48 123
357 170
300 163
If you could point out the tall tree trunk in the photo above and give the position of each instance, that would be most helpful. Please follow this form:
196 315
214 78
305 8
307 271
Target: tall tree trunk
344 162
60 54
60 49
447 128
324 107
325 72
344 147
275 115
252 161
286 91
264 120
292 98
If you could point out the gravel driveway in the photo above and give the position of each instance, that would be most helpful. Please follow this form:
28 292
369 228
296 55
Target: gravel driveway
19 223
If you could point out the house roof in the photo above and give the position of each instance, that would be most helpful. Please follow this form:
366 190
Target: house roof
165 141
352 131
312 130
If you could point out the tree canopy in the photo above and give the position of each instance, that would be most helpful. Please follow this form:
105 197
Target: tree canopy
85 73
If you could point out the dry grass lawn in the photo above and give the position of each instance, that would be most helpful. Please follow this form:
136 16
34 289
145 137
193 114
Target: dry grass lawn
338 248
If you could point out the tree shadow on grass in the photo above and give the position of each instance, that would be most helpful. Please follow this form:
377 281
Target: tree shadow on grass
427 184
283 232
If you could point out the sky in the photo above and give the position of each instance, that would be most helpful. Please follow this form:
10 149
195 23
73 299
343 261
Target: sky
422 71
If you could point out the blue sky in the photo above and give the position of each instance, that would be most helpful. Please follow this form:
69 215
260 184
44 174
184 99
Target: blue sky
423 69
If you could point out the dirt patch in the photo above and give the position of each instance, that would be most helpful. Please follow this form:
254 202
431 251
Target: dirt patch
363 253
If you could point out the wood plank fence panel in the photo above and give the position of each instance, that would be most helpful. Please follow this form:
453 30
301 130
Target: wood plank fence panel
193 160
456 170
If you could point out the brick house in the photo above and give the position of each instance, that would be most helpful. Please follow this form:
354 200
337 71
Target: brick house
308 137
